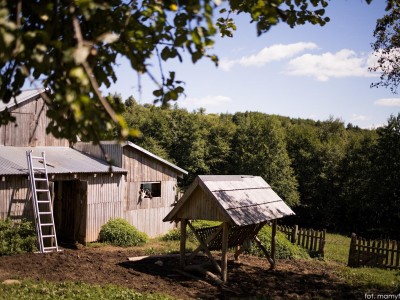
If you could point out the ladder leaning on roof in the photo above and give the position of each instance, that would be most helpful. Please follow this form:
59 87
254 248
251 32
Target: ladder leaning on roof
41 200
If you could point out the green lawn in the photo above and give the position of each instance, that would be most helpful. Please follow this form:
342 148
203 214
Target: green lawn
337 251
29 290
337 247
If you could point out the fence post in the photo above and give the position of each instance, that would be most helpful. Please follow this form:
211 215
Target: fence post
352 261
294 234
321 249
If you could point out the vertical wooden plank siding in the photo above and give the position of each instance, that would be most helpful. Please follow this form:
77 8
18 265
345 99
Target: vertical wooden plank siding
104 199
30 127
105 202
201 207
112 150
15 198
147 215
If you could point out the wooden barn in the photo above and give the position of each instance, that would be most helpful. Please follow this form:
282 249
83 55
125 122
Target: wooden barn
145 172
86 192
243 205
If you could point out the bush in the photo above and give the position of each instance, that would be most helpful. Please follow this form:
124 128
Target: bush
284 248
119 232
17 237
172 235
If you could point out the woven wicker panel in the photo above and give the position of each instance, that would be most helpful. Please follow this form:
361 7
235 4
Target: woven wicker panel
237 235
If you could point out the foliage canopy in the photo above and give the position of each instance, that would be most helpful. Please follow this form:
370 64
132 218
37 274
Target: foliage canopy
71 47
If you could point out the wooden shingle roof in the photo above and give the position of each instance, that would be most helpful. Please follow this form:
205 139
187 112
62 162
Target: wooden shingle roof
240 200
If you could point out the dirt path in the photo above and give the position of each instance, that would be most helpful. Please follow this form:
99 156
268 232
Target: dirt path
291 279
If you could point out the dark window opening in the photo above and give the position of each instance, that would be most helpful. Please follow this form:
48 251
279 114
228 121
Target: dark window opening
150 189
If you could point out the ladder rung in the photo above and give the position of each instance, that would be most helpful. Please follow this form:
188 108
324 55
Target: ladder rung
50 249
47 224
45 213
43 201
40 179
38 168
37 157
41 190
48 236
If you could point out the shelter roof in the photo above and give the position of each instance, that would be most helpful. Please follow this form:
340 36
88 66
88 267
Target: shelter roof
59 160
24 96
243 200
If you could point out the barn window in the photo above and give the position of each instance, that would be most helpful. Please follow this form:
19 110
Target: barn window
151 189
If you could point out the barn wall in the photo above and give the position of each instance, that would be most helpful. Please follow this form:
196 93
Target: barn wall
105 199
112 150
29 129
15 198
147 215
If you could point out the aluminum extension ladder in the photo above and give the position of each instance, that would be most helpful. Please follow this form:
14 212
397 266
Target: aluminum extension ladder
42 206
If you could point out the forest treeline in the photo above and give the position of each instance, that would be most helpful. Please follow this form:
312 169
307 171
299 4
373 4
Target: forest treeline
338 177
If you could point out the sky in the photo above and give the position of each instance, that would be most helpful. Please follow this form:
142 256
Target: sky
309 72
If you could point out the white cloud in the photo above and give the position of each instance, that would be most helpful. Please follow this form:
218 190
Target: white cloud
266 55
207 101
388 102
356 117
344 63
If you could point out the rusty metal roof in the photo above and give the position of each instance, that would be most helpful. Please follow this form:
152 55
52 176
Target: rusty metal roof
244 199
24 96
59 160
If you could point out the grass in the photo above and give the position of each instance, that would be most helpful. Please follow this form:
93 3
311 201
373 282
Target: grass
337 247
337 251
28 290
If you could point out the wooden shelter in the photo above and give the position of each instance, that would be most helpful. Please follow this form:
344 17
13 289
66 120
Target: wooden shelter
243 204
87 192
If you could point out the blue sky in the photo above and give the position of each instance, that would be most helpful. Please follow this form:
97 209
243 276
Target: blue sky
306 72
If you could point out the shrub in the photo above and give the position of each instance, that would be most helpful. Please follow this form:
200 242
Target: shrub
119 232
172 235
284 248
17 237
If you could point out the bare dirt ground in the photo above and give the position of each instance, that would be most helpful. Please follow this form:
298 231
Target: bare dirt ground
251 278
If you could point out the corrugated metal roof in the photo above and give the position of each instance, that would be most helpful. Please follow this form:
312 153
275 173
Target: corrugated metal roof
24 96
59 160
246 199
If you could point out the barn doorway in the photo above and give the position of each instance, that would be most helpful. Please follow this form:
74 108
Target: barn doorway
70 202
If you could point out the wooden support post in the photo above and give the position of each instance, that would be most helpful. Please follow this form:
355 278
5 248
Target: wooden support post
273 241
265 251
294 233
353 261
183 242
205 248
224 258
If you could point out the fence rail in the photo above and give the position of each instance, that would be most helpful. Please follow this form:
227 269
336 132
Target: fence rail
374 253
310 239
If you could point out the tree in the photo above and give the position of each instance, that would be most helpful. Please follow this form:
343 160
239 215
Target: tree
386 47
259 148
71 48
385 212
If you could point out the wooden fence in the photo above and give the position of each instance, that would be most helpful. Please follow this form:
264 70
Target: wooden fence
374 253
310 239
